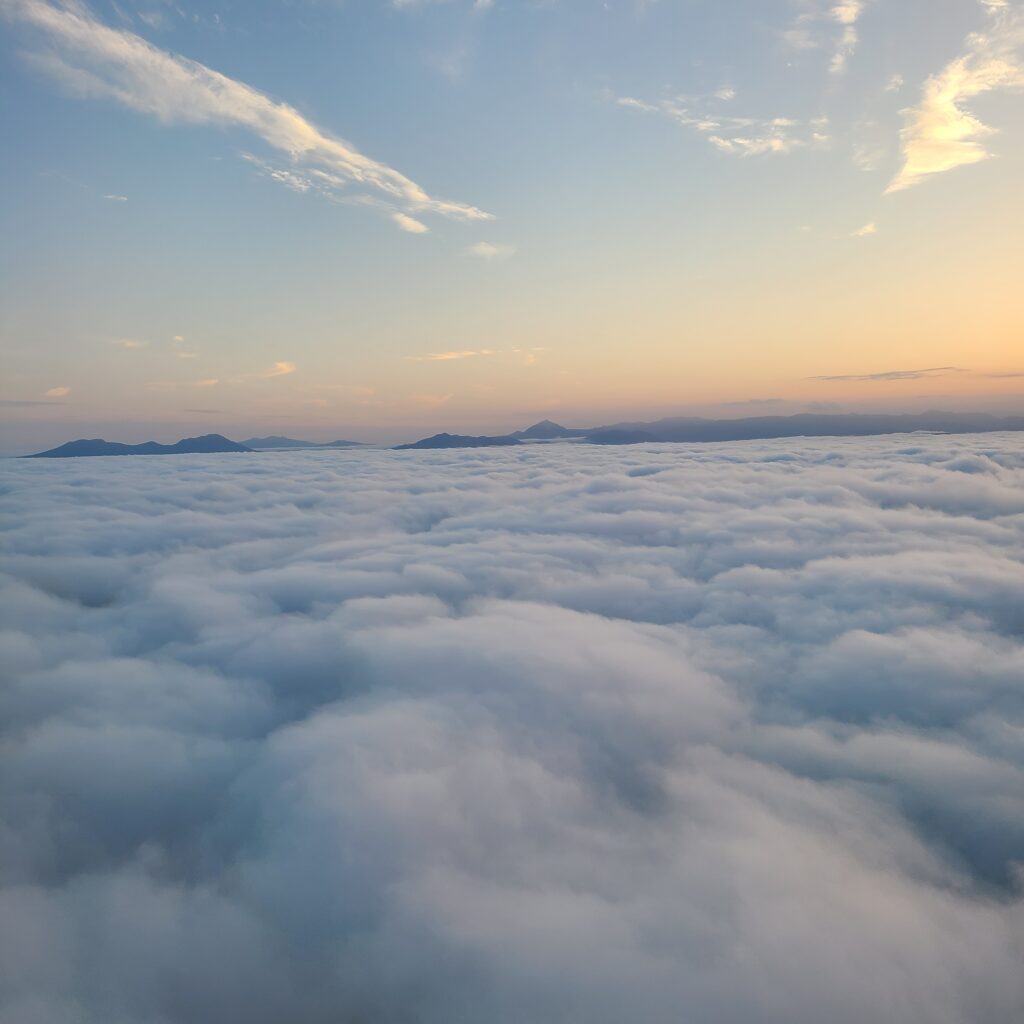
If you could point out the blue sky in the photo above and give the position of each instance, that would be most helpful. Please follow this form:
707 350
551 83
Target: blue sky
379 218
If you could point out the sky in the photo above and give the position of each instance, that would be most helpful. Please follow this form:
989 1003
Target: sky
376 220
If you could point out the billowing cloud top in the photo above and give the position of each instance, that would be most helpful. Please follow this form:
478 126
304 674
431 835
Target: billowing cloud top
728 732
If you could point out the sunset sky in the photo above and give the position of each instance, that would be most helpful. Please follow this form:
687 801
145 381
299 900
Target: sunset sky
376 220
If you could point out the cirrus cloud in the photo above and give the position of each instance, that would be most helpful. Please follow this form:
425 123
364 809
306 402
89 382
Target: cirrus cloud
93 60
940 134
281 369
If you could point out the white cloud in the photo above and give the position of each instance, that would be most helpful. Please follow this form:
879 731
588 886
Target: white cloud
491 250
868 229
116 199
542 734
176 342
733 134
941 134
435 357
58 392
281 369
816 27
410 224
94 60
847 13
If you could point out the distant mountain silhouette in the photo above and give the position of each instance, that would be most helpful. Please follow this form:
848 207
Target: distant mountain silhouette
206 445
277 442
689 429
460 441
547 430
693 429
615 436
273 442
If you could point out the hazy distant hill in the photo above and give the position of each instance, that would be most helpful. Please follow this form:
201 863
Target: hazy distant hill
460 441
273 442
208 444
695 429
621 436
546 430
680 429
277 442
802 425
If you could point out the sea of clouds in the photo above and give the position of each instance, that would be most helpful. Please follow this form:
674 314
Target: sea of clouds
723 733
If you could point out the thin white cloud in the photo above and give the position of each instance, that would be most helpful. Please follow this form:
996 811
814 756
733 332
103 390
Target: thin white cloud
940 134
410 224
736 135
868 229
58 392
491 250
847 13
116 199
444 357
816 27
868 155
93 60
893 375
130 343
176 342
281 369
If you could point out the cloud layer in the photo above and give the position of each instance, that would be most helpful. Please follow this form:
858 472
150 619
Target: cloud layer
726 732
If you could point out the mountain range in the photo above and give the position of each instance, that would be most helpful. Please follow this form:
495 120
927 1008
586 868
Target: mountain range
687 429
460 441
273 443
694 429
206 445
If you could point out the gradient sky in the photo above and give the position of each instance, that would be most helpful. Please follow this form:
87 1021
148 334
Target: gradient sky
379 219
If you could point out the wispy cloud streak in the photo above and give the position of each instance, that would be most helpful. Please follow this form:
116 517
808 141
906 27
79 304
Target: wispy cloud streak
807 31
443 357
892 375
847 13
92 59
736 135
